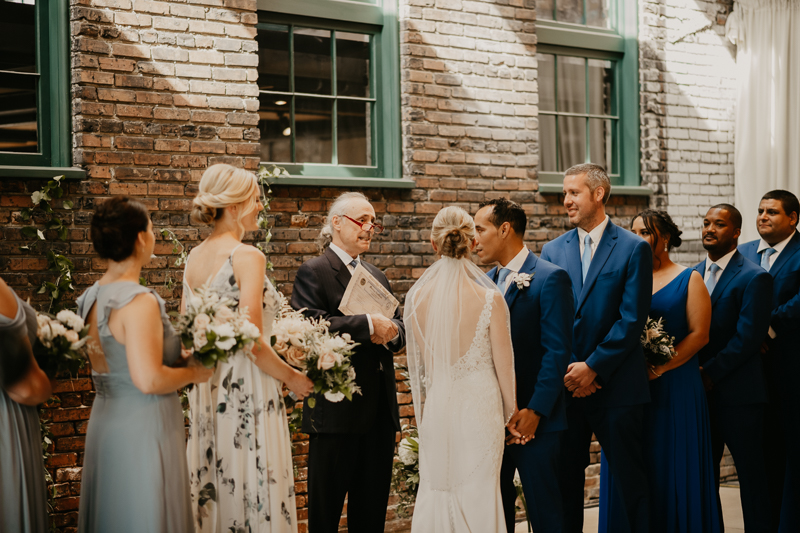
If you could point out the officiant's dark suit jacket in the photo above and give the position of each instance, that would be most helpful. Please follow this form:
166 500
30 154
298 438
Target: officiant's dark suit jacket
782 366
541 333
741 305
319 287
611 308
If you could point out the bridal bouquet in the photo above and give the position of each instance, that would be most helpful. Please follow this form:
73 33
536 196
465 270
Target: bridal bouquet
405 471
658 345
213 330
324 357
61 342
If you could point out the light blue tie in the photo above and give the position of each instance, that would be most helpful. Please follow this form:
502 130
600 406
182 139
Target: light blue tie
586 260
711 282
765 255
501 279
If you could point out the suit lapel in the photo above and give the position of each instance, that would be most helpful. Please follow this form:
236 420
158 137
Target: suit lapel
791 248
573 262
342 272
601 255
730 272
528 267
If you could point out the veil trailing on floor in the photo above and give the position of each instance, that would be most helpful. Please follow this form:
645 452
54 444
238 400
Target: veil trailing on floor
444 325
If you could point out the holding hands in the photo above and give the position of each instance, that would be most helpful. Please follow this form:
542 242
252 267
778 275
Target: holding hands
522 426
384 329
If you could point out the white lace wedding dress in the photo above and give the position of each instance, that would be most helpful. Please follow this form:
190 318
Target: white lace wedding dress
461 368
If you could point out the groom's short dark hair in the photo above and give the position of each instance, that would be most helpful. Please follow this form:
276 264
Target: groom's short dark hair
504 210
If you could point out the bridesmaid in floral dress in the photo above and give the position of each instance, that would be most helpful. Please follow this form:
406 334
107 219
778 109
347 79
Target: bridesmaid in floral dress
239 451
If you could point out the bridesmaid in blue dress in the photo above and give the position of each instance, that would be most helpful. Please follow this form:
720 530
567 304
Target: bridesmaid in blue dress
23 385
135 476
677 436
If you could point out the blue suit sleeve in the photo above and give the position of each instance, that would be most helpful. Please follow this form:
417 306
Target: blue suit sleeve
557 305
786 317
623 337
751 329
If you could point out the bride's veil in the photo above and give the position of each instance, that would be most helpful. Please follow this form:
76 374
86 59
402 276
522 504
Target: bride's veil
442 311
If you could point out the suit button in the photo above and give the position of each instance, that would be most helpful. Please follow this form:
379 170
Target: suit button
578 316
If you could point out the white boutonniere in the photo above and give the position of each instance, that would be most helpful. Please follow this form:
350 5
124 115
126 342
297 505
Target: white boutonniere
523 280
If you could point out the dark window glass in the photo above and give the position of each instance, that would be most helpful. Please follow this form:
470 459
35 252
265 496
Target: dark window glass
19 78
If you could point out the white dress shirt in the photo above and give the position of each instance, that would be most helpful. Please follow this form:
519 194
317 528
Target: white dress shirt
778 248
515 265
347 259
722 263
596 234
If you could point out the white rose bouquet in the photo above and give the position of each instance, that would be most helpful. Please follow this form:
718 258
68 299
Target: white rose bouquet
61 342
405 471
324 357
657 344
213 330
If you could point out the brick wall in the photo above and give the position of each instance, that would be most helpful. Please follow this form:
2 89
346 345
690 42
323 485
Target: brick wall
161 90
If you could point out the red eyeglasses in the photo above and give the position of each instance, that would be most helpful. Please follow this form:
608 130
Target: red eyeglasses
366 226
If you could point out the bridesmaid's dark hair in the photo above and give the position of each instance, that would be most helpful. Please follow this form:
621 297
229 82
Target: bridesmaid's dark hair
660 223
116 225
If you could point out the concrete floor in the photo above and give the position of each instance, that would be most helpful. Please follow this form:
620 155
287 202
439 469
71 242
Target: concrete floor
731 511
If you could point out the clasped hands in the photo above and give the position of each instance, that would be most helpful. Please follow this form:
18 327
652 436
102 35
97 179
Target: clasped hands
522 427
580 380
384 329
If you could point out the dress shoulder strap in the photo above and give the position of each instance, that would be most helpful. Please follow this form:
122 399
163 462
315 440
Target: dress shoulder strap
117 296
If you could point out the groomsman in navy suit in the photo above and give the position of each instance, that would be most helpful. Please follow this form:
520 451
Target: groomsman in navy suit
778 252
612 280
741 303
541 332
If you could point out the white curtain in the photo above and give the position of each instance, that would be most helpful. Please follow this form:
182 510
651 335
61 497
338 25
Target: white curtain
767 149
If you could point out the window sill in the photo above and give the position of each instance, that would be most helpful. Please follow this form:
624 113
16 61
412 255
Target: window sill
382 183
616 190
41 172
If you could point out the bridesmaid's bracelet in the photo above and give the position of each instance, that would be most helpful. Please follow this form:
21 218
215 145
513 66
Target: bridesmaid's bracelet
656 374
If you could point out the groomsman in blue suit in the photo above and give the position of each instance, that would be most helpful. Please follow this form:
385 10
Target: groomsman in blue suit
741 303
538 296
612 280
778 252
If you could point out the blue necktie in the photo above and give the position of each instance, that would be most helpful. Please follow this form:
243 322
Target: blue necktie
711 282
353 263
586 259
501 279
765 255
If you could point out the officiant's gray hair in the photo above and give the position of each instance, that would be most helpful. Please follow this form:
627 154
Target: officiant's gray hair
339 208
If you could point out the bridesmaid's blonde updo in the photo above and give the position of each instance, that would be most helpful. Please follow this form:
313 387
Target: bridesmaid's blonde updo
222 186
453 232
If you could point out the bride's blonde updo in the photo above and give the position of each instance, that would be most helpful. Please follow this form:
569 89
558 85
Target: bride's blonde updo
453 232
222 186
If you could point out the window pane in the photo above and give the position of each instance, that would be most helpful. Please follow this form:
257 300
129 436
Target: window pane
352 64
312 61
571 141
571 84
18 126
597 13
600 143
18 36
353 125
273 58
544 9
569 11
313 126
547 143
601 78
276 129
547 78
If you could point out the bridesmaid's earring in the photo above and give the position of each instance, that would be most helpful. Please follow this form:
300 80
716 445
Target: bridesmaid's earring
666 247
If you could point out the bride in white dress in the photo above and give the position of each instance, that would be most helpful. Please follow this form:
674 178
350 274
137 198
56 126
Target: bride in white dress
461 365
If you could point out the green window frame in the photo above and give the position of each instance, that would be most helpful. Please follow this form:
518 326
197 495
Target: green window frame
618 45
378 19
52 100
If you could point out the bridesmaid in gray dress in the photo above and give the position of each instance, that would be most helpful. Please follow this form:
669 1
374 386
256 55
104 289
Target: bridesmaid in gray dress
135 476
23 385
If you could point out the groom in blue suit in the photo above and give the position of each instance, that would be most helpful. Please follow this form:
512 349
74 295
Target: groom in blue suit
778 252
541 333
612 279
730 364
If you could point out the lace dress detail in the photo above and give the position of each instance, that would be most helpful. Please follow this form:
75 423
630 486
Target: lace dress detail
239 450
479 355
